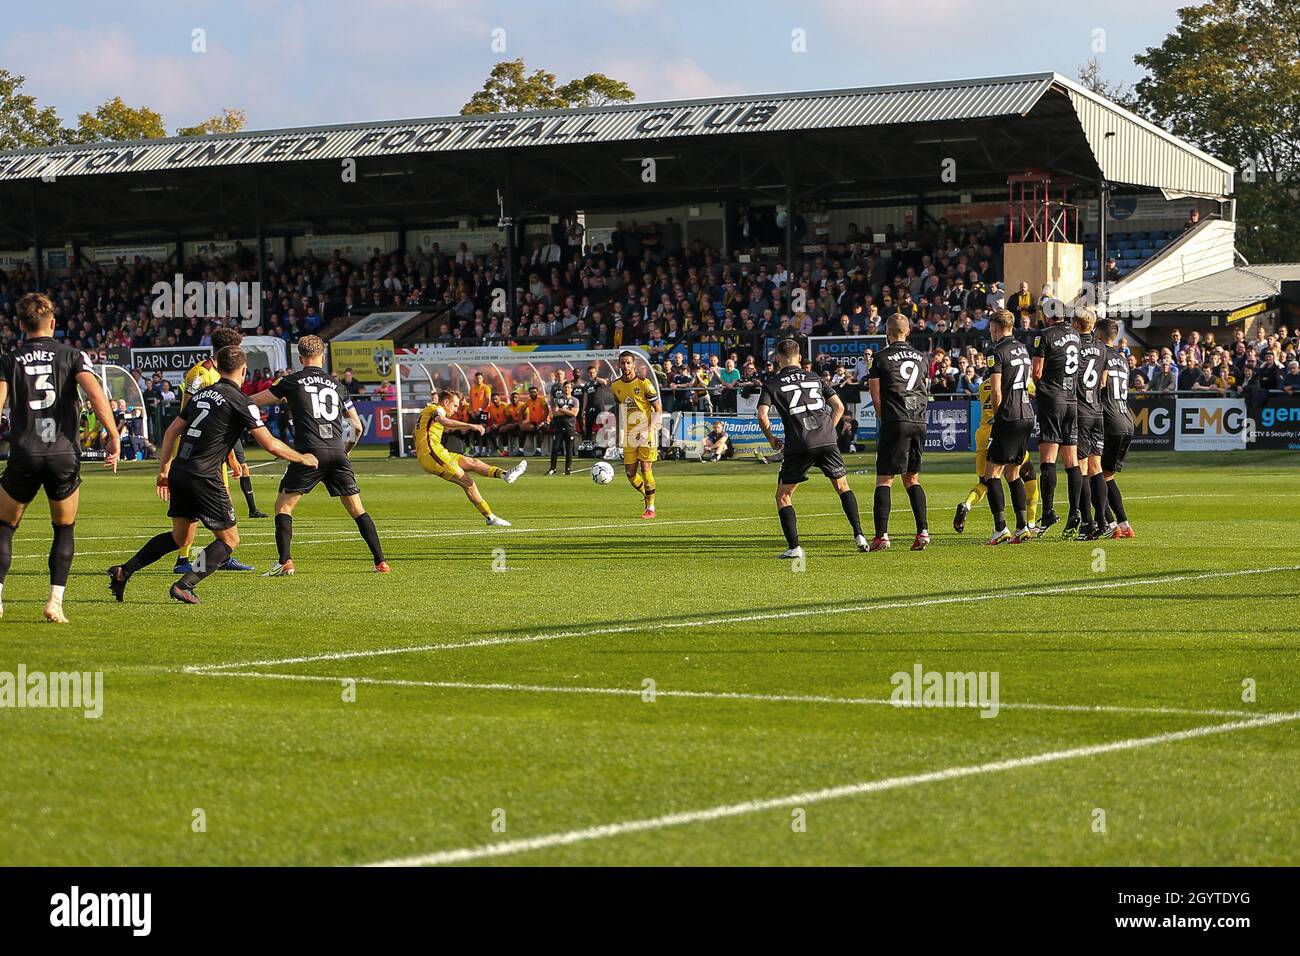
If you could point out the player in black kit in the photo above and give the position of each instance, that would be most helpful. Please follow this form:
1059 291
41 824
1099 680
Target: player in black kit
1009 367
1056 365
1117 421
810 410
1089 384
564 425
318 403
207 429
900 392
39 380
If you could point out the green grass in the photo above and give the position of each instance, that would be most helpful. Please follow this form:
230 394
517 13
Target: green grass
287 772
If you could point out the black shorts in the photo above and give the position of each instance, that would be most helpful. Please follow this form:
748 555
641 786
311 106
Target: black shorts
898 450
1116 448
239 452
795 464
1091 436
58 474
1058 421
200 498
1008 442
335 470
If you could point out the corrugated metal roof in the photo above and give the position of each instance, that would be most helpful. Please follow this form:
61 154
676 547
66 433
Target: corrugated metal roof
1227 290
1130 150
1143 154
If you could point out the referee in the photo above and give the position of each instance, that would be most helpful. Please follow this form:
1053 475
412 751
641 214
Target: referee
564 423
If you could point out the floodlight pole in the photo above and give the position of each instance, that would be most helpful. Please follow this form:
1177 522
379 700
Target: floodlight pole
506 221
1103 200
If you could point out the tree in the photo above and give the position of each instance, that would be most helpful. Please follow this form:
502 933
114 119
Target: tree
1228 80
22 123
510 89
116 121
1089 76
229 121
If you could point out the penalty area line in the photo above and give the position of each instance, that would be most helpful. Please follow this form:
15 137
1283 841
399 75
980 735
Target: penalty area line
724 811
730 695
725 620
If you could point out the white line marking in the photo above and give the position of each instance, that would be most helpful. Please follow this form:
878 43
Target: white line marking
725 695
734 619
605 831
459 533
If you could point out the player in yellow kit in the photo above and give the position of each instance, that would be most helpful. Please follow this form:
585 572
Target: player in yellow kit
640 410
437 417
979 490
200 376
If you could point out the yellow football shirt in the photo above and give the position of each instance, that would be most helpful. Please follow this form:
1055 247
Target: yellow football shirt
428 430
636 398
197 379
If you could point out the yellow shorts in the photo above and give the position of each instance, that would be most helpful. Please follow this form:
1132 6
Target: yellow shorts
440 462
634 454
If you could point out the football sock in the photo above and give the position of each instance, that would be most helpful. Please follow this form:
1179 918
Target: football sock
1073 482
1085 499
916 495
849 502
483 508
649 488
788 526
56 592
283 536
495 472
1099 499
976 495
880 510
6 548
637 482
1019 502
61 549
1031 502
370 535
246 486
1116 502
1047 485
154 548
997 503
213 556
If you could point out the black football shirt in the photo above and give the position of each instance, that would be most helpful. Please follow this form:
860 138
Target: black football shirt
1010 359
803 402
215 418
1058 346
318 404
1087 384
45 409
1114 397
903 373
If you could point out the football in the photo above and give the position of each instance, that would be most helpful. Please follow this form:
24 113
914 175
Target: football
602 472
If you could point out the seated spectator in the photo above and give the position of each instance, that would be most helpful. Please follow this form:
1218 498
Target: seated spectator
717 445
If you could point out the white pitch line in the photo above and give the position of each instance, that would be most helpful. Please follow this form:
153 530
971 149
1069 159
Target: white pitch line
460 533
733 619
605 831
728 695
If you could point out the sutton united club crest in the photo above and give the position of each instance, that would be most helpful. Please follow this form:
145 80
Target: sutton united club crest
383 359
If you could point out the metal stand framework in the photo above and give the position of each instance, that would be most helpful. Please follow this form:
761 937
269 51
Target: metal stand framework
1039 209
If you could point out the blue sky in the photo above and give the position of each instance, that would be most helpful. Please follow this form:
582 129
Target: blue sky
307 63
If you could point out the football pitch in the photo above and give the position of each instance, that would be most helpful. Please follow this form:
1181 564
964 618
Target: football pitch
590 688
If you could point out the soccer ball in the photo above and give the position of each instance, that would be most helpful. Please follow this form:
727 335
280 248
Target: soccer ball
602 472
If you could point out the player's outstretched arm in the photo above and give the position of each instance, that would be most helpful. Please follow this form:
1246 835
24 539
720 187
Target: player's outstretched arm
266 397
165 450
765 423
90 385
279 449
